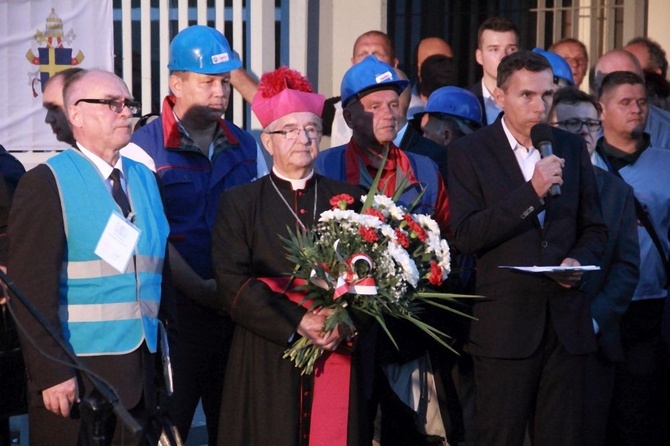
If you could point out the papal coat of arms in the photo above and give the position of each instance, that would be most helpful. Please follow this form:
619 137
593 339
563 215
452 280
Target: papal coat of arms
52 54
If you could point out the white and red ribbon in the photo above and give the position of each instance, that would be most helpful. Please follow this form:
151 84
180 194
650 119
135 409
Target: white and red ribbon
349 282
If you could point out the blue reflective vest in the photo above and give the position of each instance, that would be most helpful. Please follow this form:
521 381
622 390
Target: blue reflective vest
103 311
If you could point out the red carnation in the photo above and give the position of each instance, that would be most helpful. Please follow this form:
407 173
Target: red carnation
402 238
375 213
369 235
435 276
415 228
341 201
283 77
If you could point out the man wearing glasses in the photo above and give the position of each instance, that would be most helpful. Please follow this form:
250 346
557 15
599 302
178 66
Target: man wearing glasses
574 52
577 112
267 401
610 289
198 155
87 246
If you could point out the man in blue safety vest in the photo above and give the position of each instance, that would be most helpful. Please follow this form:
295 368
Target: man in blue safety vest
88 239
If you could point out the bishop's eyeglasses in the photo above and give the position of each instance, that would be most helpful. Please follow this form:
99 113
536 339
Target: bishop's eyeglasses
294 132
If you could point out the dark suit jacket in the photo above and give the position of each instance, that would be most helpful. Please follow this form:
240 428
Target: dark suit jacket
494 213
415 142
613 286
476 88
11 171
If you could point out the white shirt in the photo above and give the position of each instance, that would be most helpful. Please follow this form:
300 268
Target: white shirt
104 168
400 134
526 157
136 153
295 184
340 133
416 104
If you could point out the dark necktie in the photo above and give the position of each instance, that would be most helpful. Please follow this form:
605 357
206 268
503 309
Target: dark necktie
117 192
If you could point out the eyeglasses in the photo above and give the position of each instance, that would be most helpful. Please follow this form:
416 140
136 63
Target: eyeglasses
115 105
574 125
293 133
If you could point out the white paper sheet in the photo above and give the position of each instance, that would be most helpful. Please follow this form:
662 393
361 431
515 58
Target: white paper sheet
552 269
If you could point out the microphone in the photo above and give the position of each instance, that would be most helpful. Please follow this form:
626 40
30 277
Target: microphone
542 137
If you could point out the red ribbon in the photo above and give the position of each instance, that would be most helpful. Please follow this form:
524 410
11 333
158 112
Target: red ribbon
332 377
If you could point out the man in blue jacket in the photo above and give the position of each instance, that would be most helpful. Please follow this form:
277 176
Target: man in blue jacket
636 411
197 156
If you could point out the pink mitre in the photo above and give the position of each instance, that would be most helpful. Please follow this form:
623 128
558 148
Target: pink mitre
284 91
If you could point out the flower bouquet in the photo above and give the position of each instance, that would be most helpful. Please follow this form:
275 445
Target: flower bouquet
380 261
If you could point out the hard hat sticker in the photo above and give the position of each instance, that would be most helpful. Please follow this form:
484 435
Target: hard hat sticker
220 58
383 77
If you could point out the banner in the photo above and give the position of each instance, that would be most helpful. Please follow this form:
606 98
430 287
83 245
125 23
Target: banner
39 38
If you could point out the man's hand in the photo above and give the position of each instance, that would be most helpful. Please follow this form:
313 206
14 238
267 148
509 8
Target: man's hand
568 279
243 82
60 398
186 280
548 171
311 327
205 294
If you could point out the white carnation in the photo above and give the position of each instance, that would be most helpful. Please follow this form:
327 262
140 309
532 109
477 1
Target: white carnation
387 231
388 207
444 258
409 270
369 221
427 222
383 201
337 214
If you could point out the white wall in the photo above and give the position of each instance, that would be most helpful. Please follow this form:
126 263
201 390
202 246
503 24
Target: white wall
657 23
345 20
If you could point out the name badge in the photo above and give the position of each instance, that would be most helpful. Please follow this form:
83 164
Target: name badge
117 242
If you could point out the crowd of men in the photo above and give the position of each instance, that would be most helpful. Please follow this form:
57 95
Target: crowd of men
171 234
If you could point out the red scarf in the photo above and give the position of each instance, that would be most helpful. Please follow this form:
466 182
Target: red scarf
361 170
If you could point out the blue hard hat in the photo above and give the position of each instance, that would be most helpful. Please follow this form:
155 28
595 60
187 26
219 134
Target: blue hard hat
204 50
370 73
559 66
455 101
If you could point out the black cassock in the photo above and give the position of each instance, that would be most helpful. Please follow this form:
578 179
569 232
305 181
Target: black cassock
265 400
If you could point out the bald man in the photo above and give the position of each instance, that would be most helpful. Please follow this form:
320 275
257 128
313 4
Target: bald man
650 54
410 139
375 43
658 122
52 101
104 303
430 46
